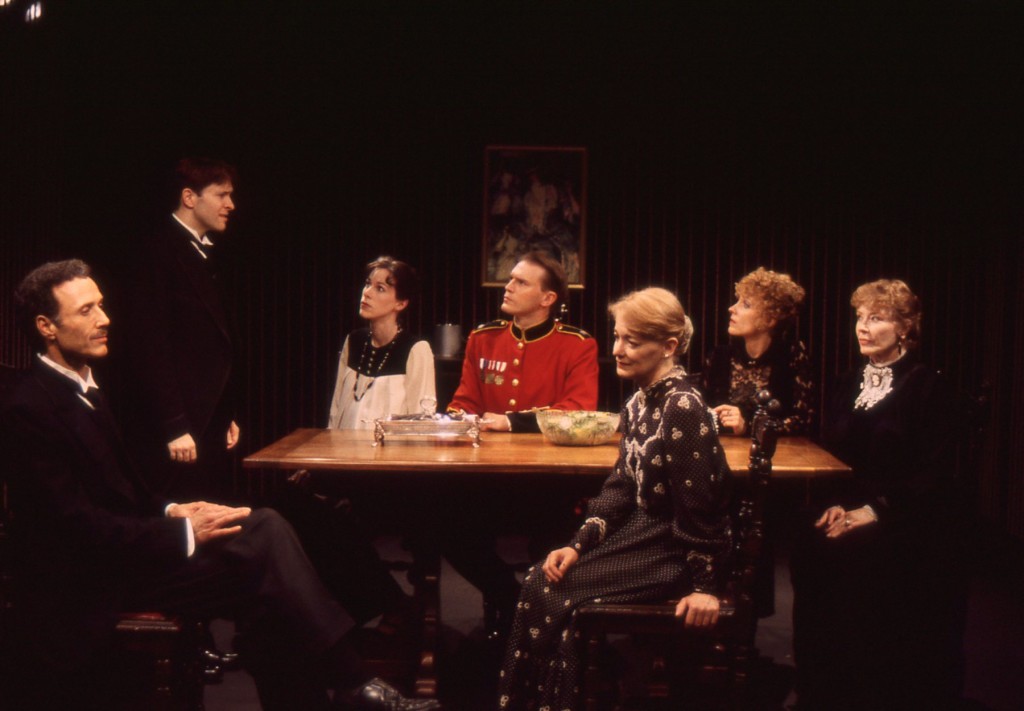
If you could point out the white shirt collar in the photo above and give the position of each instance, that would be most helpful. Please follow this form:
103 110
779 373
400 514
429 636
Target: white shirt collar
83 383
198 241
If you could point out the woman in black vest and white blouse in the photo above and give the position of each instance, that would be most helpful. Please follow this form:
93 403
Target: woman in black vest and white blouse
383 369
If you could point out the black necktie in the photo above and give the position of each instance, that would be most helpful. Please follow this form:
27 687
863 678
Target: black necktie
127 482
102 412
94 398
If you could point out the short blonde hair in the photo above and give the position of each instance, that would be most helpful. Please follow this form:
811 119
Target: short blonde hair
894 298
779 295
656 314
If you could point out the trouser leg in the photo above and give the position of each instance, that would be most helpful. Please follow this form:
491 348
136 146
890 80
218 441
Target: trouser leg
262 578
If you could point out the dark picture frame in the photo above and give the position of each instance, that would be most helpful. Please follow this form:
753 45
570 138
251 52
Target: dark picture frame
535 197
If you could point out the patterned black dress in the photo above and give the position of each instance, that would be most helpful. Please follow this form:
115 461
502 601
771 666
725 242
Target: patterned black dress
658 529
731 377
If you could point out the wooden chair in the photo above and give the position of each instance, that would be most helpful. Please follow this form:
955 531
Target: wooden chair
687 661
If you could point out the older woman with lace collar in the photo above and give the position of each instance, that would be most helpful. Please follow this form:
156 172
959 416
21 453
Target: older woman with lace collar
874 579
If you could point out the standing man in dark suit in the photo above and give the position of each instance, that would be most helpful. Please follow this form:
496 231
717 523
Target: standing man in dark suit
181 354
91 541
179 392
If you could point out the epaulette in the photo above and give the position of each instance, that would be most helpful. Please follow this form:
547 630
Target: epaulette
573 330
491 325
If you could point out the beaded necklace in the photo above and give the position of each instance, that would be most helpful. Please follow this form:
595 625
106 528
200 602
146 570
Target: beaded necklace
366 366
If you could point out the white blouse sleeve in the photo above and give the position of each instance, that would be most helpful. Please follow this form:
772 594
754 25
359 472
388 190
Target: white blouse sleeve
337 400
419 376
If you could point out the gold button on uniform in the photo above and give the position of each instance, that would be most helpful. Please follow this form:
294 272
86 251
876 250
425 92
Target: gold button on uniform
515 361
512 402
515 382
519 345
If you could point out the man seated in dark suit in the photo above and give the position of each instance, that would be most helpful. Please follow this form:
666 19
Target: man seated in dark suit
91 541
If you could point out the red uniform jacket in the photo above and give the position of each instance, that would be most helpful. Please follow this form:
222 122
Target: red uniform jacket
511 371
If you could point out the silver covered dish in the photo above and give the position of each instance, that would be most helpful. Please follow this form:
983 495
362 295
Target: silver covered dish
427 424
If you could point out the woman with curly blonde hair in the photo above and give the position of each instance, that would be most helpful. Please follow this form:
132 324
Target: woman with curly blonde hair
761 356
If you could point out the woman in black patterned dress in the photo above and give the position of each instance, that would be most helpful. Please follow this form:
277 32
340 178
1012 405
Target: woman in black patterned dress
760 356
658 529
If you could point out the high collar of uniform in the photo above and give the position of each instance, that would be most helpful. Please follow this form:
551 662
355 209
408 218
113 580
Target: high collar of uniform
534 332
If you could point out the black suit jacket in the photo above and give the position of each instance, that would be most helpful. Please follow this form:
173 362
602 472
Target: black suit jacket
180 351
89 539
175 369
85 529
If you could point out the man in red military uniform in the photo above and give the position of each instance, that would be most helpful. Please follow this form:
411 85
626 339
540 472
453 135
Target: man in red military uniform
531 362
511 369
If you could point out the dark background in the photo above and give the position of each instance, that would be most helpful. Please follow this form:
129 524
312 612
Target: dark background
839 143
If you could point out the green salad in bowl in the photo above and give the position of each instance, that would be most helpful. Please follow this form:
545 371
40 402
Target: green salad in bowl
578 427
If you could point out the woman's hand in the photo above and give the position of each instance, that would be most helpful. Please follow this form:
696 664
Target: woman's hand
837 521
730 416
558 563
698 610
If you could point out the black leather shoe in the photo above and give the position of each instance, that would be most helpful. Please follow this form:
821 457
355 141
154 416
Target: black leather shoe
228 661
215 663
378 695
211 673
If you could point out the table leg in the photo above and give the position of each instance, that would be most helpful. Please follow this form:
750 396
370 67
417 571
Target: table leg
426 578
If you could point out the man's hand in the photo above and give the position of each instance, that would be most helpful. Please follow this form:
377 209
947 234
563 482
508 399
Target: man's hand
186 510
730 416
210 521
558 563
497 423
233 432
182 449
698 610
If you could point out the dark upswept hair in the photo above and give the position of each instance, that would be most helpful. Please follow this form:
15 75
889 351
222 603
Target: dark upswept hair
402 276
893 297
554 275
34 295
197 173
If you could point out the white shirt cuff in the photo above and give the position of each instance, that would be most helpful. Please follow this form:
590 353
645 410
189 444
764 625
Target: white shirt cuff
190 535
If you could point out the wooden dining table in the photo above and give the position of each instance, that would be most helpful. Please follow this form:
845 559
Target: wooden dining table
355 458
501 453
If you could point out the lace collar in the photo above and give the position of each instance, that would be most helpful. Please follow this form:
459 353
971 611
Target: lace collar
876 384
778 351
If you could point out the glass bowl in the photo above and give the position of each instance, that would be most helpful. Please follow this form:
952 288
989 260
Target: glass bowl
579 428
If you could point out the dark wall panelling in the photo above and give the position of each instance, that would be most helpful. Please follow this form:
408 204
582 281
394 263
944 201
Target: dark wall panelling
295 298
359 134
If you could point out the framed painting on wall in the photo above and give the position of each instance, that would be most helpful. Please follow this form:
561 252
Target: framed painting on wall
535 198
